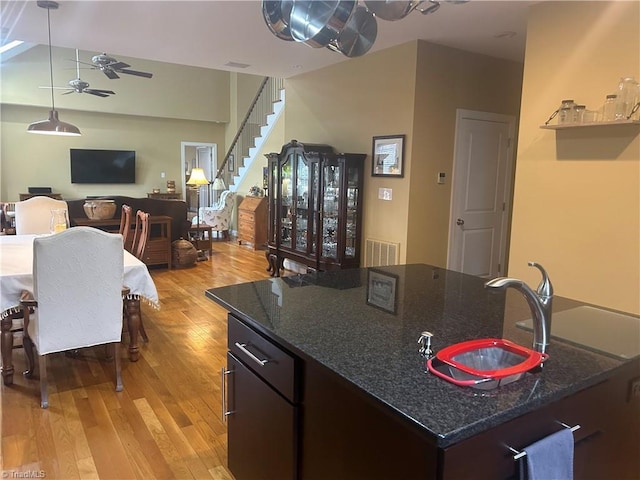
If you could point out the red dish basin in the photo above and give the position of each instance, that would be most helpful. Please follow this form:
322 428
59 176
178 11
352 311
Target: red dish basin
485 363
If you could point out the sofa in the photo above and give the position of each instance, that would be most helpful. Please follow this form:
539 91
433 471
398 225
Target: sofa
176 209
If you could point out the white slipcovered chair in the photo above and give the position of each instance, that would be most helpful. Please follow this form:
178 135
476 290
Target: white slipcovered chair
77 297
219 215
34 215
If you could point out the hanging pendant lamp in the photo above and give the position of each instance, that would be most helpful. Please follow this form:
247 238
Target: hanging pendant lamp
52 125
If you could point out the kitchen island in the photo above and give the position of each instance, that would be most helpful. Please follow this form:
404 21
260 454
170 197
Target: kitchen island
324 380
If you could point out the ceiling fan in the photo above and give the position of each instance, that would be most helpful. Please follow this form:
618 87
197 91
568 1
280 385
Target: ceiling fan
111 67
78 85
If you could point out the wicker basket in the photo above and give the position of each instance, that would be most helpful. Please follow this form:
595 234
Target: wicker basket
183 254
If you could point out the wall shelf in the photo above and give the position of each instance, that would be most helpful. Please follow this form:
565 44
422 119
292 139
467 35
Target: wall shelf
590 125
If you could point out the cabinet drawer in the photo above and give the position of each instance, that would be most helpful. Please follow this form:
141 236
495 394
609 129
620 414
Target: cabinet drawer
266 359
245 226
247 216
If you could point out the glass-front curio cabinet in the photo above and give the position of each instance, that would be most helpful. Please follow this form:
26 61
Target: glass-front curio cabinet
315 207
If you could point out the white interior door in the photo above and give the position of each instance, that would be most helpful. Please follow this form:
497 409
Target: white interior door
481 193
204 160
197 154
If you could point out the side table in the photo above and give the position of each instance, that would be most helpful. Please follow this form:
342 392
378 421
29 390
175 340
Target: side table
200 236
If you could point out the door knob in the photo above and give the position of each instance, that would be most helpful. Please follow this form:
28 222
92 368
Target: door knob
460 222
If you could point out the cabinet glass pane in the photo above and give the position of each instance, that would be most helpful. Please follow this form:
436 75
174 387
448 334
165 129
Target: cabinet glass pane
314 205
273 201
351 226
286 192
330 209
302 204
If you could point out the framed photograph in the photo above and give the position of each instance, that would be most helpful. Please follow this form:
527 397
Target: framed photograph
388 156
382 290
231 163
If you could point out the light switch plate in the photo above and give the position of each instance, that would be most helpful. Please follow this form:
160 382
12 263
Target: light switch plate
385 193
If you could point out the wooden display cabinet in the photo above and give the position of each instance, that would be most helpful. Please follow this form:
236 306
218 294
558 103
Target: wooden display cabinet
315 207
252 221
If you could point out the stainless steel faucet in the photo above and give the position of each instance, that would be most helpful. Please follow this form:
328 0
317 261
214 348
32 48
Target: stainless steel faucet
539 303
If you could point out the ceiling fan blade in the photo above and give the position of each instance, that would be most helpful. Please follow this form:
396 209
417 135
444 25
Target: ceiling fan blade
118 65
134 72
55 88
70 91
95 92
108 92
110 73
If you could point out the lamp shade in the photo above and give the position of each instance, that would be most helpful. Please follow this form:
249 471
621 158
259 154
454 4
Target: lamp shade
53 126
197 177
218 184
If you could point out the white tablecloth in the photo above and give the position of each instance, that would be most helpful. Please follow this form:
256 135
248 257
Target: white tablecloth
16 264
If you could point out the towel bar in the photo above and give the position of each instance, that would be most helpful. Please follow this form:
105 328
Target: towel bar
519 454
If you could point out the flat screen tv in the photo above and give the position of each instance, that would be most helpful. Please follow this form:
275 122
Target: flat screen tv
103 166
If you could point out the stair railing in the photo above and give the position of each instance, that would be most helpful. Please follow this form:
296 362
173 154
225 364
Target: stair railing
249 130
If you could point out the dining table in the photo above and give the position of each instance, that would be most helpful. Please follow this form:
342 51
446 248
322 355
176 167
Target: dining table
16 279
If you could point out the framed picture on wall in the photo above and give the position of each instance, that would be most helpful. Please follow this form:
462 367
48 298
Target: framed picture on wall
231 163
388 156
382 290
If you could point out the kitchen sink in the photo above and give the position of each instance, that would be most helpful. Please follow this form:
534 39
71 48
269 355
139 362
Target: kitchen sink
484 363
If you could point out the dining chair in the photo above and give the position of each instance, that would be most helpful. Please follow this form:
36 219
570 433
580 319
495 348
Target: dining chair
77 297
140 234
125 225
140 237
34 215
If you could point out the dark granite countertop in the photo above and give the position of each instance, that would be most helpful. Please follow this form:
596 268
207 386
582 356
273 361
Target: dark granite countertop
327 318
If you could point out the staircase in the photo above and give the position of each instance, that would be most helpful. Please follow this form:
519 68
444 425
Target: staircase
263 113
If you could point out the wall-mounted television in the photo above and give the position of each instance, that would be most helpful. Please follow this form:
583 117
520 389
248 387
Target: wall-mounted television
103 166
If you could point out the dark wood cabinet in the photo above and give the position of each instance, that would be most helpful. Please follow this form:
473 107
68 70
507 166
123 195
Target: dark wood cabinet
260 404
165 196
291 410
315 207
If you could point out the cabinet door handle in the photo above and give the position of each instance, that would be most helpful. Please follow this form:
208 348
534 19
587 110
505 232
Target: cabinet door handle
243 348
225 411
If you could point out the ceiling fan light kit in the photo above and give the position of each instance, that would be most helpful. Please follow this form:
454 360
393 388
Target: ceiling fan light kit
340 25
52 125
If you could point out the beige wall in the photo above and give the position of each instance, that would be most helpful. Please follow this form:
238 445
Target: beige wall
345 106
43 160
448 79
169 94
413 89
577 200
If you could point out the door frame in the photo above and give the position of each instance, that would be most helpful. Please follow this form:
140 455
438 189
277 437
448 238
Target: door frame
183 160
462 114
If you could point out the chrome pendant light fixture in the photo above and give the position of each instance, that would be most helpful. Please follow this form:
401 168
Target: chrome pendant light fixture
52 125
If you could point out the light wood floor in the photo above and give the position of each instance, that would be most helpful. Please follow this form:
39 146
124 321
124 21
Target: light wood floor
167 421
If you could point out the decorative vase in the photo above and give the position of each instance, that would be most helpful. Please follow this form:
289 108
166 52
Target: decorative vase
99 209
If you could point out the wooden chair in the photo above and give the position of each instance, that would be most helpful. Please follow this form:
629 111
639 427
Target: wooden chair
75 306
125 225
140 237
34 215
140 234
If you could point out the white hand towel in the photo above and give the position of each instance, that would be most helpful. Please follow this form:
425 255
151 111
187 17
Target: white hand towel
551 458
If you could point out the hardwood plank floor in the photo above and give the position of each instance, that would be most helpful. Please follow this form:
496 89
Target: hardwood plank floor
167 421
